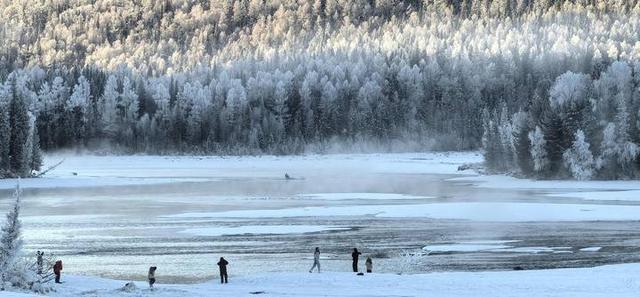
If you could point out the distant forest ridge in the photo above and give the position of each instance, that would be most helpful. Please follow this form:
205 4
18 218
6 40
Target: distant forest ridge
265 76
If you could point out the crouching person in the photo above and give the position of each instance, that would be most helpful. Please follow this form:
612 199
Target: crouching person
369 265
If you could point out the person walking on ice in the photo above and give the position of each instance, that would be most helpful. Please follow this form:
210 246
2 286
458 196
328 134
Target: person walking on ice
152 276
224 278
355 256
316 260
369 264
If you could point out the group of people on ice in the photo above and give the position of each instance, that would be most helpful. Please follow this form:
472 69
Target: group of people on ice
222 266
355 256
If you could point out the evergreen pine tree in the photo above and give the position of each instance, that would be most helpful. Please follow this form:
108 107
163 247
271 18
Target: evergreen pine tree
19 121
5 138
36 153
522 143
10 242
539 151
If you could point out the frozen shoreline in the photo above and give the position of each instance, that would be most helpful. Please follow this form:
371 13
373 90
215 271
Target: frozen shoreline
96 171
611 280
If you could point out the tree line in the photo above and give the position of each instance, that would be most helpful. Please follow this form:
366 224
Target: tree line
251 77
584 127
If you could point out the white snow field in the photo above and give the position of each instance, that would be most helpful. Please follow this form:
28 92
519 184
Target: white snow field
609 281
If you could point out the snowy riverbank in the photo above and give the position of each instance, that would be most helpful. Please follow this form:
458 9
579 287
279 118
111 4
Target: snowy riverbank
101 171
89 170
610 281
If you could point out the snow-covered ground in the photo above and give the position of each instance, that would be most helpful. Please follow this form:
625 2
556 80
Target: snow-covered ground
609 281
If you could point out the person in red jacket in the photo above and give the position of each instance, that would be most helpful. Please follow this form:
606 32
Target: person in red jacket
57 269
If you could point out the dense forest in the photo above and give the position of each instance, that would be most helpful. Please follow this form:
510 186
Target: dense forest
549 88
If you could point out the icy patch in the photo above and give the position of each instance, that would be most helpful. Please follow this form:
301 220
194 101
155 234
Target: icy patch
509 182
259 229
59 219
92 181
630 195
474 211
529 250
361 196
591 249
493 246
469 246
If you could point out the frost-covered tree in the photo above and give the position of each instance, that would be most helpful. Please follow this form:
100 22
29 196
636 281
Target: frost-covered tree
77 107
109 105
538 150
10 241
616 154
579 158
416 73
14 270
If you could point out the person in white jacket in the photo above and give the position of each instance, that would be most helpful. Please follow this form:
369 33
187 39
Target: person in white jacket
316 260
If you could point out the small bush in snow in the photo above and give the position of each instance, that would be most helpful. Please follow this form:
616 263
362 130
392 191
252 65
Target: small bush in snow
409 260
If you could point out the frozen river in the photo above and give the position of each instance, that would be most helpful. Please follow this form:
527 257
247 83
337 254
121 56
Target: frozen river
116 216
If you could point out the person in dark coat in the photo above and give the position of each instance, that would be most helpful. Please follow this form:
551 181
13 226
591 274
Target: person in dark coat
57 270
355 256
152 276
224 278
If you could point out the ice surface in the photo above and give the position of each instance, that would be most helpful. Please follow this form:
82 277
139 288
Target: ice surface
360 196
475 211
629 195
87 170
467 246
591 249
259 229
495 246
508 182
